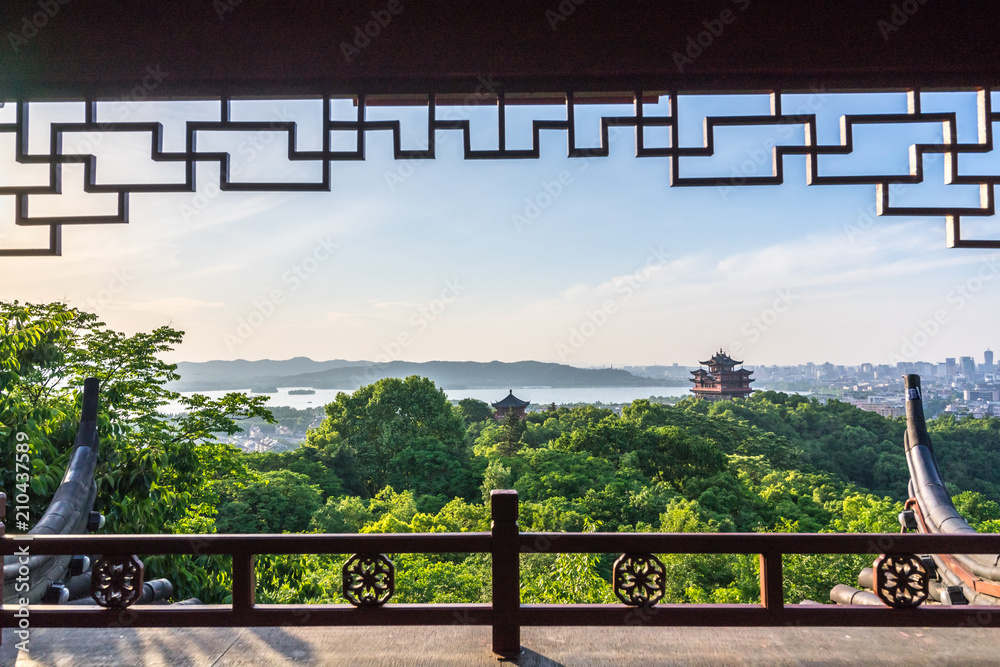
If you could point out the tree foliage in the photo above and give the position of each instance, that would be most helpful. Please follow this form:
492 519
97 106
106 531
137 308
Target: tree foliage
155 473
278 502
396 456
394 424
474 411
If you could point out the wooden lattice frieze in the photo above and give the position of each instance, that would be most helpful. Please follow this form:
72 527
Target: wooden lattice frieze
656 129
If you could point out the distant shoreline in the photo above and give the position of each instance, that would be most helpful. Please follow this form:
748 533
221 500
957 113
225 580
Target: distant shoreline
536 395
185 387
448 375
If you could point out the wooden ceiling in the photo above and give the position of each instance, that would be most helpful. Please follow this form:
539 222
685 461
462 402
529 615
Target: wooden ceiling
72 49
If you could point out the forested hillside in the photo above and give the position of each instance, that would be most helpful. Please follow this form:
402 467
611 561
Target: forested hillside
396 456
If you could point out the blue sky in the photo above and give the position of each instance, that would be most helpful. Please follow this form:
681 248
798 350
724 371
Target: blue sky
587 261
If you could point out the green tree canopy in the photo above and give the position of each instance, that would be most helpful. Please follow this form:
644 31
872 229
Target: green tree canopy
473 410
278 502
381 421
153 470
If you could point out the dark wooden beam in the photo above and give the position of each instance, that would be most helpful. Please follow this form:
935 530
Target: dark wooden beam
206 48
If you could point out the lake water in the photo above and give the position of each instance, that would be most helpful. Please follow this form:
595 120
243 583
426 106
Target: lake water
537 395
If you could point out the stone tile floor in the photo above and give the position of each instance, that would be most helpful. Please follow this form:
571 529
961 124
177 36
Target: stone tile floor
457 645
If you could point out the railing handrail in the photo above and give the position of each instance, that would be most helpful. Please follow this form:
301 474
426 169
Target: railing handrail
259 544
756 543
480 542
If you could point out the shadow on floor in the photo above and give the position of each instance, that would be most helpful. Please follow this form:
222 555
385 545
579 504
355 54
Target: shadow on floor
529 658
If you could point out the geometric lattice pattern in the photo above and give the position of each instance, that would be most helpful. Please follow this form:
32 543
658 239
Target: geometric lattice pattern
357 128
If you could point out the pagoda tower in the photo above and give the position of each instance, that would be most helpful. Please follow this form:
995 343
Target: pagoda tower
721 382
510 403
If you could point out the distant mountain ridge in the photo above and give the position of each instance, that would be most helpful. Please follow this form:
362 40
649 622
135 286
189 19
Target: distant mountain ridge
240 373
343 374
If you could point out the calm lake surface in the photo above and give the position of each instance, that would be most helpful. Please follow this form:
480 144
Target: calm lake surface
537 395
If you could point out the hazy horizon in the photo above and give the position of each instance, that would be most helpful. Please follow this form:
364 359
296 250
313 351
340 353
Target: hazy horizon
978 359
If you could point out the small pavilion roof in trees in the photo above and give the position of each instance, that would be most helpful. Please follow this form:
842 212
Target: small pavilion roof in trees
509 403
722 381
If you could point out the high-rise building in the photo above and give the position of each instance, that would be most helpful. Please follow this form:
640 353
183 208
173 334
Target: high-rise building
988 361
950 363
968 367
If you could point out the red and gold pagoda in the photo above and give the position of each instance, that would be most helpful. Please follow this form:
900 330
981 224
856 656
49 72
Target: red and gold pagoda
721 382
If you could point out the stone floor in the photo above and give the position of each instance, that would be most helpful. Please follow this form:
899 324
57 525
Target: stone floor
456 645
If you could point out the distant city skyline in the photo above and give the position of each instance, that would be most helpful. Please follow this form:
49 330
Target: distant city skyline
584 261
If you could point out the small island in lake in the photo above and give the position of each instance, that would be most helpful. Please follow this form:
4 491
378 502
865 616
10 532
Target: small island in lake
301 392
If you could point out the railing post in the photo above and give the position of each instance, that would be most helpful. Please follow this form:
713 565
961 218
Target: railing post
772 594
506 556
3 536
244 582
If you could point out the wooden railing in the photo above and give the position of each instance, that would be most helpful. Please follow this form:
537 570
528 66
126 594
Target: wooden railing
505 542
